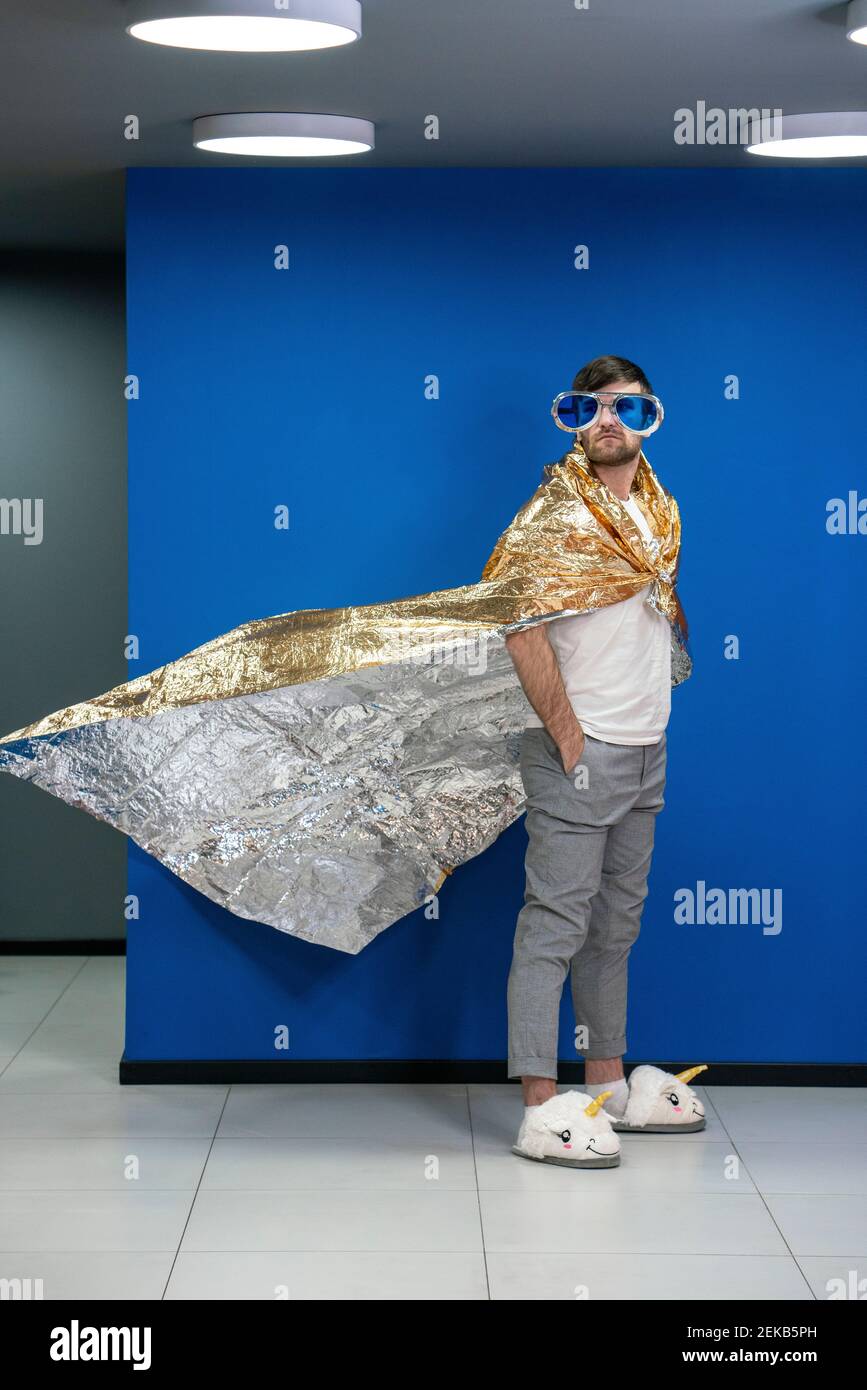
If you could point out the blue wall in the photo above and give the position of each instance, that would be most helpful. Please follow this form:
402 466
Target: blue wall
306 387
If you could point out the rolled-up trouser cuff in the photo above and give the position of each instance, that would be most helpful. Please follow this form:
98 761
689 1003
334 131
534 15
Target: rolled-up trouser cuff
601 1050
533 1066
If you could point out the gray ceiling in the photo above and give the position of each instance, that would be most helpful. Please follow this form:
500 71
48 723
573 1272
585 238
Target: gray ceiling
513 82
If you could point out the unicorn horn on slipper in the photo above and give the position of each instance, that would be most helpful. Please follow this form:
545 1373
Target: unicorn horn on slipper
596 1105
686 1076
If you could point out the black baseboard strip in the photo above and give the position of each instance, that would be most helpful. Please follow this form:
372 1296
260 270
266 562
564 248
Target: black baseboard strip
198 1073
99 946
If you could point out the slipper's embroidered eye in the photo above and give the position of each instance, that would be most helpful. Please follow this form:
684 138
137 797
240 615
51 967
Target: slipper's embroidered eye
566 1135
673 1098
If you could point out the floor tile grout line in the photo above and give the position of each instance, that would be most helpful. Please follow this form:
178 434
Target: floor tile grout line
761 1196
709 1098
196 1193
478 1192
257 1191
403 1250
803 1272
85 962
417 1191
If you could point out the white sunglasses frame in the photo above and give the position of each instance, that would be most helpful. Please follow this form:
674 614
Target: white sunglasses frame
646 395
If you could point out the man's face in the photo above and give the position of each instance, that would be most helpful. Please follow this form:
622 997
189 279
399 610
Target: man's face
606 441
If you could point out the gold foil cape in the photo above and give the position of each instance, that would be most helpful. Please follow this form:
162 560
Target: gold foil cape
322 771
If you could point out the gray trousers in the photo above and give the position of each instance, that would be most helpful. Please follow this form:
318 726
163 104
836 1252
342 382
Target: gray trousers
587 864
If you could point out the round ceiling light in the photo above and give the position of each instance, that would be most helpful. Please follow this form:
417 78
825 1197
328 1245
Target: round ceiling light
856 21
817 135
245 26
283 134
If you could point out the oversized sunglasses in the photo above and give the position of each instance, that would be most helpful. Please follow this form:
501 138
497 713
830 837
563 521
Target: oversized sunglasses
578 410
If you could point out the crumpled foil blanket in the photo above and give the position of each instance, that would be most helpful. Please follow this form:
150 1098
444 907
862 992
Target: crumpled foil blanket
323 771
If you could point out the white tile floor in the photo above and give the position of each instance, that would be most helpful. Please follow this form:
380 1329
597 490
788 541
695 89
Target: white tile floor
261 1192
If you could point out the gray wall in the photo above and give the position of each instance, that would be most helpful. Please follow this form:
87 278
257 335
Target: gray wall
63 610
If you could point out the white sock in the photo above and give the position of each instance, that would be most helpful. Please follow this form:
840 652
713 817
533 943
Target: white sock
616 1102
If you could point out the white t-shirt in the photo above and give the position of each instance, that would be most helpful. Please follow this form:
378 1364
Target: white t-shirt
616 665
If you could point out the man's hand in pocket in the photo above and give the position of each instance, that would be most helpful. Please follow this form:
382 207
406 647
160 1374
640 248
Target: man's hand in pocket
572 751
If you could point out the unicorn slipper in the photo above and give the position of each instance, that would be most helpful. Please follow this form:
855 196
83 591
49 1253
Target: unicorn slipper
660 1103
571 1130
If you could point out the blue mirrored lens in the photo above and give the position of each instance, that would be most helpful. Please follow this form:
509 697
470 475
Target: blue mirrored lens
636 412
576 411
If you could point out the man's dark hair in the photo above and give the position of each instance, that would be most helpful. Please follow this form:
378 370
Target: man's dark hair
603 370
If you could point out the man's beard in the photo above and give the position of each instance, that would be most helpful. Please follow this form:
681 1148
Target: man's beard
602 451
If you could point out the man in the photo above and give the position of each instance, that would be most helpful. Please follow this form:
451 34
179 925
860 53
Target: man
593 765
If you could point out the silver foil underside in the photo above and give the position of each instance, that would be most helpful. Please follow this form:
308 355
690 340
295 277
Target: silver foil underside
328 810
